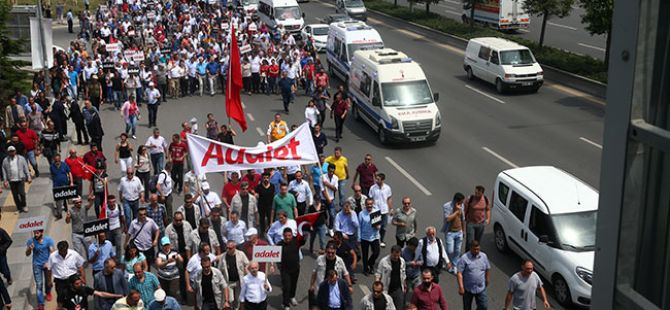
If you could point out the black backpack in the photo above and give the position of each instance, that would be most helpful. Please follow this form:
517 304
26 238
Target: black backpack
154 181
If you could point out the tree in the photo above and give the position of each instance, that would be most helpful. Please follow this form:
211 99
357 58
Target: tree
598 19
428 2
548 8
11 76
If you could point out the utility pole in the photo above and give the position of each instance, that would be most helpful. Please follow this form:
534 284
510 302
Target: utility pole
43 45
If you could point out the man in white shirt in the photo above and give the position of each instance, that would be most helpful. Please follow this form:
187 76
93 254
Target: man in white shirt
329 185
234 229
164 189
381 193
430 254
152 97
302 191
276 230
255 289
208 200
63 264
131 193
157 146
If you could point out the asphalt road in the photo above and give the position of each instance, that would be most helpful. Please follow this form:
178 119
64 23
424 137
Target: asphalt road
483 133
565 33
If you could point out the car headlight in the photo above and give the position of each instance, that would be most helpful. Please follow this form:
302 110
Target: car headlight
509 76
584 274
438 119
394 123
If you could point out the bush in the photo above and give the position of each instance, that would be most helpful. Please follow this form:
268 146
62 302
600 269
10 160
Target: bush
578 64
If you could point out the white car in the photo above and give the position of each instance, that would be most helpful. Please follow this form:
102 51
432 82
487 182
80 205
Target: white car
549 216
318 33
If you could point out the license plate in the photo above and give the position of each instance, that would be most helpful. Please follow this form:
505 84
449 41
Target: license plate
527 84
416 139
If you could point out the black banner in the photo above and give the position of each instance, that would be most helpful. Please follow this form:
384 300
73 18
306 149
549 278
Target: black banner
108 65
133 70
376 217
94 227
64 192
166 51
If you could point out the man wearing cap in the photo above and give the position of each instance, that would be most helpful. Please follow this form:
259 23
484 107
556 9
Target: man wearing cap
152 96
167 269
163 302
208 200
60 177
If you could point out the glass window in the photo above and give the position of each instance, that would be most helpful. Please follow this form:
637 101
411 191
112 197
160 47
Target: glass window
353 3
363 47
539 223
494 57
365 84
320 31
503 191
287 12
484 53
337 46
376 98
406 93
518 205
517 57
576 231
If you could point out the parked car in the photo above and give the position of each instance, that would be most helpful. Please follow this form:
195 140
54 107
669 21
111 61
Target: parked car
353 8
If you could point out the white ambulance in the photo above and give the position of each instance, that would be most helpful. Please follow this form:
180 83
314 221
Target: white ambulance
344 38
390 92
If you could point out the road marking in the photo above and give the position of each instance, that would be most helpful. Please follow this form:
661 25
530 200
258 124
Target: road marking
523 30
260 131
453 2
591 46
244 106
452 12
411 34
251 117
408 176
562 26
591 142
576 93
484 94
365 289
498 156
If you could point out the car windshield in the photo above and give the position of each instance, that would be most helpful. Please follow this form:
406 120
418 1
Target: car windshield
320 31
249 2
517 57
287 12
354 4
406 93
362 47
576 230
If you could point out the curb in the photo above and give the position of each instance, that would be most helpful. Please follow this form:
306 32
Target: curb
578 82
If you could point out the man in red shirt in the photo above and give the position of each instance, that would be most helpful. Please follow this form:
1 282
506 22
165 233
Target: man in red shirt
185 128
30 140
322 79
366 171
253 179
177 152
230 188
273 73
76 165
308 73
92 156
428 295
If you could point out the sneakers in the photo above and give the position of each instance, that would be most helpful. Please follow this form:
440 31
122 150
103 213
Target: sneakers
49 296
383 245
330 232
294 302
134 137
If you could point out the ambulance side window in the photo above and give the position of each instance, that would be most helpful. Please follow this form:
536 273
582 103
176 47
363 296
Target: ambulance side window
337 45
376 98
365 84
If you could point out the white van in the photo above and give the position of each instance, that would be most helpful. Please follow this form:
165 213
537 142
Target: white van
344 38
502 62
501 14
353 8
549 216
249 6
390 92
286 13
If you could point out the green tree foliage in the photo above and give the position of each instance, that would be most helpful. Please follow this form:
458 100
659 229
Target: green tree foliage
598 19
548 8
11 76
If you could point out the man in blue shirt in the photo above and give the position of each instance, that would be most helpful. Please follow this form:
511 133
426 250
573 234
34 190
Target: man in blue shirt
163 302
334 293
74 79
212 74
346 222
99 252
60 176
201 71
473 277
40 246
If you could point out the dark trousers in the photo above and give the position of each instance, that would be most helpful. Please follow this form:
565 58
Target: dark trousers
264 218
339 123
18 189
286 99
4 268
369 261
153 113
177 175
62 286
183 86
144 177
182 281
69 26
400 243
209 306
193 84
170 286
81 131
272 82
163 89
246 83
398 297
481 300
150 256
256 82
289 283
259 306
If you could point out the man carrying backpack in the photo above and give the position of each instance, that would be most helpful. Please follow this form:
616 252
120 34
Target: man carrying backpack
162 183
477 215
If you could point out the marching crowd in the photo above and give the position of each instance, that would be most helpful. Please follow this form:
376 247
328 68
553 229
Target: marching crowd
172 240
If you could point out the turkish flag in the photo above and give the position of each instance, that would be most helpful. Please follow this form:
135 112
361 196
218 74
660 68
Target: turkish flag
234 86
306 220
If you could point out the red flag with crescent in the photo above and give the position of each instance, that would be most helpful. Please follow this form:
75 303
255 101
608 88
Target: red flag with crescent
304 222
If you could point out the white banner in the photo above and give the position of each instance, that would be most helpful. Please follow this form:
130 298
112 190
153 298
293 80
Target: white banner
113 47
37 56
296 148
267 253
29 224
133 55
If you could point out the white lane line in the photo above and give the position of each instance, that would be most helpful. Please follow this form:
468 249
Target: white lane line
591 142
452 12
523 30
562 26
408 176
484 94
365 289
251 117
453 2
498 156
244 106
591 46
260 131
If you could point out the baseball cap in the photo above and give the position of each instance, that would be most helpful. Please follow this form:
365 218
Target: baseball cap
252 231
151 84
11 148
165 240
205 186
159 295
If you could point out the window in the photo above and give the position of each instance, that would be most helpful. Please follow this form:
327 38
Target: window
365 84
406 93
518 205
343 53
539 223
376 98
494 57
519 57
484 53
337 46
503 191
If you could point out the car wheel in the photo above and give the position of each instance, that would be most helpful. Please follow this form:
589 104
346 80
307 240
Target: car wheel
500 239
500 87
468 71
561 290
381 135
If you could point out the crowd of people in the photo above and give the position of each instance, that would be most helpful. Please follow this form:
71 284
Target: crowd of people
172 240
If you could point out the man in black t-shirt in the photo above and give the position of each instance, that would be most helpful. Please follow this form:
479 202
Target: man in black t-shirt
289 269
76 298
265 193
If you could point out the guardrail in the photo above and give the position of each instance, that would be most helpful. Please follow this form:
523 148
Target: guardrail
580 83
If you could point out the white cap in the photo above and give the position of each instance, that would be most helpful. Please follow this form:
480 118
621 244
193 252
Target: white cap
151 84
159 295
252 231
205 186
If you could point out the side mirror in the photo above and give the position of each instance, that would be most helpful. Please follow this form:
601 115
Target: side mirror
544 239
436 97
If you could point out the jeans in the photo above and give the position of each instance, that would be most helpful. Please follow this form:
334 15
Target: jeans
341 187
79 244
130 209
153 113
158 162
473 230
319 231
131 124
33 161
382 229
369 262
330 207
272 82
39 273
339 125
453 241
116 237
18 189
481 300
118 96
